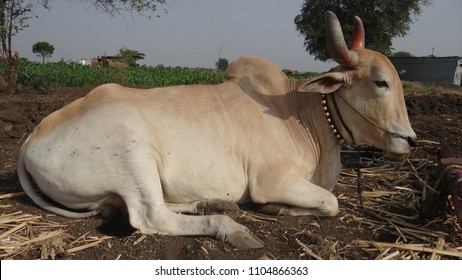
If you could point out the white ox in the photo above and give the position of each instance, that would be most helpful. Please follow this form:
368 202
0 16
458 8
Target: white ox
258 137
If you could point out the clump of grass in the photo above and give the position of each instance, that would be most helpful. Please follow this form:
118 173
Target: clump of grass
416 87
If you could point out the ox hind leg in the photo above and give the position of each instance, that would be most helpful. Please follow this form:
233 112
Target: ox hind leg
148 212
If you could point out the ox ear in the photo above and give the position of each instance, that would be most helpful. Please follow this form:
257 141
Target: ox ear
325 83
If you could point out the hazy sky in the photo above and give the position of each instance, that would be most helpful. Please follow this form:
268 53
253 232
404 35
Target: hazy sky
192 32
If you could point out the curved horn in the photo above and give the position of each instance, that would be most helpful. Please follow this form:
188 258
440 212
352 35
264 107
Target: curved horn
358 41
336 43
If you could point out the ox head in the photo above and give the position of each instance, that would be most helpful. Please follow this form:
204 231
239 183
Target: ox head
368 92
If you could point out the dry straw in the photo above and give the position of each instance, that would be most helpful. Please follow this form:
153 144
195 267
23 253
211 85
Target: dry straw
394 192
21 233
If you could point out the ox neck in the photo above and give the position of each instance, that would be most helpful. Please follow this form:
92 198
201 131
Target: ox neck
306 121
313 138
334 117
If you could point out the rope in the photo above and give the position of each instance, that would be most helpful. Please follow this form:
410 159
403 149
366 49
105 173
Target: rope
372 122
358 178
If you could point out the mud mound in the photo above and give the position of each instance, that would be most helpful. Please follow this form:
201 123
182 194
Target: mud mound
433 104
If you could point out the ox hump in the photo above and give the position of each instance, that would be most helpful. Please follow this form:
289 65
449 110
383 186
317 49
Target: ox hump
261 72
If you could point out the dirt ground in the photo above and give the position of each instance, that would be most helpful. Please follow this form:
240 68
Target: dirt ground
353 234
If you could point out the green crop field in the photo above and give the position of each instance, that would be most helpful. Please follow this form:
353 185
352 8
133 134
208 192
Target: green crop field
46 77
37 75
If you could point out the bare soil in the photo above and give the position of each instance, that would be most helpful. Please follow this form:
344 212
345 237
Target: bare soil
435 118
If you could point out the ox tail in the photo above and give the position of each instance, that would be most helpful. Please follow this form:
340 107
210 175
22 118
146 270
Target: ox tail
28 186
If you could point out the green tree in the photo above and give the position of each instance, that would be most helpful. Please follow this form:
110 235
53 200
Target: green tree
131 56
14 15
222 64
43 49
383 21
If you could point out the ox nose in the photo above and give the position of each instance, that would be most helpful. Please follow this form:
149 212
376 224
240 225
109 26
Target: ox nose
412 141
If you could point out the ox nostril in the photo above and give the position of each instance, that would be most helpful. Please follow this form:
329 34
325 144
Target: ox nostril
412 141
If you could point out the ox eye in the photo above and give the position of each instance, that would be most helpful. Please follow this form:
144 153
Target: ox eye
381 84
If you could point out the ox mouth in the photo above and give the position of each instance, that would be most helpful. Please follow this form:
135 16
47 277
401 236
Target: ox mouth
401 146
398 150
396 147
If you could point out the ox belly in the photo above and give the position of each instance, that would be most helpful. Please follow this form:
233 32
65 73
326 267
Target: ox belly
83 160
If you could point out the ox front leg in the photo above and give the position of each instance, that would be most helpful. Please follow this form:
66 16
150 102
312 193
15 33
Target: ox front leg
295 197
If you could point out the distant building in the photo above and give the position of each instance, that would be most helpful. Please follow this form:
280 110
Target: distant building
429 69
83 62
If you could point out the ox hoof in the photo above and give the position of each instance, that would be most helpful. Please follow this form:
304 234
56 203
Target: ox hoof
272 209
214 206
245 241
